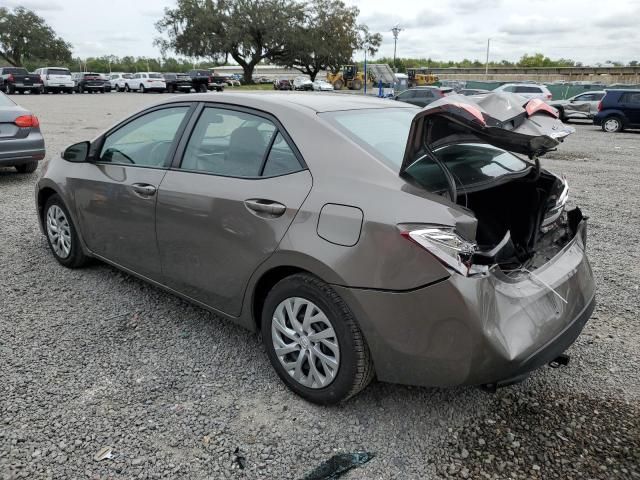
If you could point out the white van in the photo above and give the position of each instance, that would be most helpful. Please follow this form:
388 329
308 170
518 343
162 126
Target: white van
56 79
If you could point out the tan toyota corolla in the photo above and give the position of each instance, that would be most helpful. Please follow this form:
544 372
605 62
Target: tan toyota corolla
361 237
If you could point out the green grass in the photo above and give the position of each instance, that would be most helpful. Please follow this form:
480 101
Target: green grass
264 86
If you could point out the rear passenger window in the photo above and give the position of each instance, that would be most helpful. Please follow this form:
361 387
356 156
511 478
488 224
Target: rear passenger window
528 90
630 98
281 159
236 144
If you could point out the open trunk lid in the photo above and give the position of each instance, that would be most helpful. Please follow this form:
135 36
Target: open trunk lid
505 120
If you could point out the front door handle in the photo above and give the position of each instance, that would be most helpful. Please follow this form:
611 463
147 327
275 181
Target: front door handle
144 189
267 208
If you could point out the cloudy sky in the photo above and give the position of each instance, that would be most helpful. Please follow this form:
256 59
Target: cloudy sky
589 31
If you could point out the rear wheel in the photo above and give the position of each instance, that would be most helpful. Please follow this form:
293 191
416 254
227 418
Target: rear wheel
313 341
61 234
27 167
142 89
356 84
612 125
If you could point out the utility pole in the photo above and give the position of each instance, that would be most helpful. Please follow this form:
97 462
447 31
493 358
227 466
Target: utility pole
486 65
396 31
366 47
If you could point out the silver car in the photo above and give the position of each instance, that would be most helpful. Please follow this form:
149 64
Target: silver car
361 237
21 142
579 107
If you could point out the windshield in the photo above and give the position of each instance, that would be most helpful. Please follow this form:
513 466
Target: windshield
155 75
470 164
17 71
58 71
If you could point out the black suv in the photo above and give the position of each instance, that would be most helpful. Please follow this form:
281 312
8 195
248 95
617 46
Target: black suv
619 109
90 82
178 82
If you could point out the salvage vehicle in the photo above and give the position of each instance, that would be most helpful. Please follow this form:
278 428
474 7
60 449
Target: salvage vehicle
526 90
429 248
178 82
423 96
89 82
302 83
19 80
579 107
144 82
618 109
55 79
21 141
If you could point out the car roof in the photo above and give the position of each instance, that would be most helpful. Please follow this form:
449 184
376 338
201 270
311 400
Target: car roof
270 101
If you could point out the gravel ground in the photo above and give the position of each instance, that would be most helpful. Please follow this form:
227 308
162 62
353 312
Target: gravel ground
95 359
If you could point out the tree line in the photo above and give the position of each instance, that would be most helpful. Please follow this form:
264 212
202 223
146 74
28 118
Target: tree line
311 37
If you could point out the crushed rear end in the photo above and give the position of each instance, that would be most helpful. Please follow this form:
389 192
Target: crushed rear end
520 288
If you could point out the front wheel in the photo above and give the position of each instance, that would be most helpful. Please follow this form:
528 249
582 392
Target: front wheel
612 125
61 234
313 341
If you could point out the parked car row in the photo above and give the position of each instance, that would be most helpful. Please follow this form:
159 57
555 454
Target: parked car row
61 80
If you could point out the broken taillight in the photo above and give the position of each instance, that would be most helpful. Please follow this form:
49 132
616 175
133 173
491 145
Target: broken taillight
536 105
443 243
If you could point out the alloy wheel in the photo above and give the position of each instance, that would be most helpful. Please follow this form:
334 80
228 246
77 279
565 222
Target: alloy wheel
59 231
305 342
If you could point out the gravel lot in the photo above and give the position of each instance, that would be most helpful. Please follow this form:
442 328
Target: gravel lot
95 358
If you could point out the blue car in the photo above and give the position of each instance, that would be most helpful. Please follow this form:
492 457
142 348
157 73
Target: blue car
619 109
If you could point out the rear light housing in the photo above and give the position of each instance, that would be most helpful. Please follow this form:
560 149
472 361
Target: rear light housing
27 121
550 96
444 243
10 78
535 105
600 106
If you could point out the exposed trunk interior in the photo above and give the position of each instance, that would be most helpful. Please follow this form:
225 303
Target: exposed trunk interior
510 217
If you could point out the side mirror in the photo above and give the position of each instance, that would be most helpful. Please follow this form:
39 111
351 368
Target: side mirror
77 153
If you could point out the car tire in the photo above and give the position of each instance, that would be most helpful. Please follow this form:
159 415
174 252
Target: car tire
29 167
126 87
561 114
349 352
36 91
11 89
612 124
142 89
57 221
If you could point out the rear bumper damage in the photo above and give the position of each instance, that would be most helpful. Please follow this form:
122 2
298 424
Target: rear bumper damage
487 329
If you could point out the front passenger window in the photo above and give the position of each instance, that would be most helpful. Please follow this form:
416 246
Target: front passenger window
145 141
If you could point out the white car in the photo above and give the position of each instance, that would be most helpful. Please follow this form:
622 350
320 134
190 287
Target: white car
117 81
583 106
526 90
56 79
322 86
145 82
302 83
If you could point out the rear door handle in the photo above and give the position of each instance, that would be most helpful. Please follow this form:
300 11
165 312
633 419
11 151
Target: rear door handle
144 189
268 207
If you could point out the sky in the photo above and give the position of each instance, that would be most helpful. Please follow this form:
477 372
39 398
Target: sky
588 31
